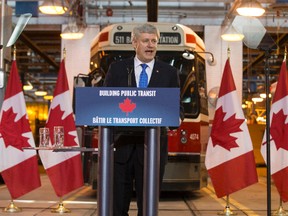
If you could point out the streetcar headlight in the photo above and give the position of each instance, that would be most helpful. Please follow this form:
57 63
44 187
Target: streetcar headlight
183 138
183 133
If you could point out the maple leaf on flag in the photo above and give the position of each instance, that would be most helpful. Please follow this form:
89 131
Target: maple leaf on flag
55 119
127 106
221 130
279 130
12 131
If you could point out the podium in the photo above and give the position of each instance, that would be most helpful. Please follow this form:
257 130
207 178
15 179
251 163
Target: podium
150 108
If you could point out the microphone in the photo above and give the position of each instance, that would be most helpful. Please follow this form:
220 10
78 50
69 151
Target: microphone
129 70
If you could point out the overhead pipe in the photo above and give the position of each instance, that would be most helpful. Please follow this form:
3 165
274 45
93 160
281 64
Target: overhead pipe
280 5
231 13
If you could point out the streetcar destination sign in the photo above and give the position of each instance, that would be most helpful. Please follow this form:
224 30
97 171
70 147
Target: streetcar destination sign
167 38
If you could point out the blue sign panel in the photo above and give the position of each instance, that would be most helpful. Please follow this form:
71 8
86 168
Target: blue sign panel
103 106
27 7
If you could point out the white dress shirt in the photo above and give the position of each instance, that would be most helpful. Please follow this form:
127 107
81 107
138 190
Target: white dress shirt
138 69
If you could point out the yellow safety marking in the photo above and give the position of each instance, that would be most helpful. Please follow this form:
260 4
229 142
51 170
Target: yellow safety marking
81 191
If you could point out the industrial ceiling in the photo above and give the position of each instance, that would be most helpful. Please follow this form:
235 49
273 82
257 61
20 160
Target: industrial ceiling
39 46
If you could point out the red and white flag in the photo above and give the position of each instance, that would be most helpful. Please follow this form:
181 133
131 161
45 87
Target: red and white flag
63 168
278 135
18 167
229 157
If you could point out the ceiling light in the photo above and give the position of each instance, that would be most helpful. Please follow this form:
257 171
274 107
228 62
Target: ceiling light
40 92
73 30
53 7
21 23
250 8
263 95
230 34
48 97
71 34
257 99
27 86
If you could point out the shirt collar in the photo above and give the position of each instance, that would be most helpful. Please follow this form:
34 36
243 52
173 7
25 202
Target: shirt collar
137 62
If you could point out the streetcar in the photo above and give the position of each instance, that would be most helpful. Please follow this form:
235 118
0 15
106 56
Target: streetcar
182 48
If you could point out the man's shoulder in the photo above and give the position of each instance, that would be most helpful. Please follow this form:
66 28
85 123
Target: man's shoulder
162 64
124 62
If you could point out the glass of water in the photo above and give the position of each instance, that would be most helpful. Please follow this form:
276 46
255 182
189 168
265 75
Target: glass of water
44 137
58 136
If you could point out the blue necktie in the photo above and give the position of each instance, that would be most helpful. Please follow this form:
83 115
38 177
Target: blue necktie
143 81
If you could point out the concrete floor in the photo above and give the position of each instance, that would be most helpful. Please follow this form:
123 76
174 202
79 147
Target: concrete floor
251 201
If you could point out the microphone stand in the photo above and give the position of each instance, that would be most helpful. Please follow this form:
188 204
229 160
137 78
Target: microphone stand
268 156
129 71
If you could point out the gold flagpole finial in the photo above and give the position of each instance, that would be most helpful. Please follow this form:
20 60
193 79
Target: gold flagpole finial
285 53
64 53
14 52
228 52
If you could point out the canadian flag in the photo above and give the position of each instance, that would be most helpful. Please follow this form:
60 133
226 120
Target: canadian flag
278 135
229 156
18 167
63 168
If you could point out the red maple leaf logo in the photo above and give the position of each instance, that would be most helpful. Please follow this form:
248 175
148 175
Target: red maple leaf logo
55 119
279 130
221 130
127 106
12 130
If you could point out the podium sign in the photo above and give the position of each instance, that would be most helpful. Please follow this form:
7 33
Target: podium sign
106 106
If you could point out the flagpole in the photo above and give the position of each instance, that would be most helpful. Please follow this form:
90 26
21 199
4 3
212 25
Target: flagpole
267 92
227 211
66 165
11 208
280 211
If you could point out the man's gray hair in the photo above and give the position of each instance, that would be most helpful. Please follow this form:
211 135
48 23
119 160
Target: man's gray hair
145 28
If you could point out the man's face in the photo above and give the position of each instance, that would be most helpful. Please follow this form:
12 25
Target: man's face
146 47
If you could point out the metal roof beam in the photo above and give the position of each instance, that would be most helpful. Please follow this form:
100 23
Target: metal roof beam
36 49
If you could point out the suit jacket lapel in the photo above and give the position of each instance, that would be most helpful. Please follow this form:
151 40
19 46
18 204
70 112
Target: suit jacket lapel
133 78
156 75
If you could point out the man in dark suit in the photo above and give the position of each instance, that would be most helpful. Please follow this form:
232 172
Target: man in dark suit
128 142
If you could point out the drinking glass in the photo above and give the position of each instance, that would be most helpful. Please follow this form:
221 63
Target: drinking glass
44 137
58 136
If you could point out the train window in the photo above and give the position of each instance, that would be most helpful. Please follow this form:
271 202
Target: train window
189 81
113 56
